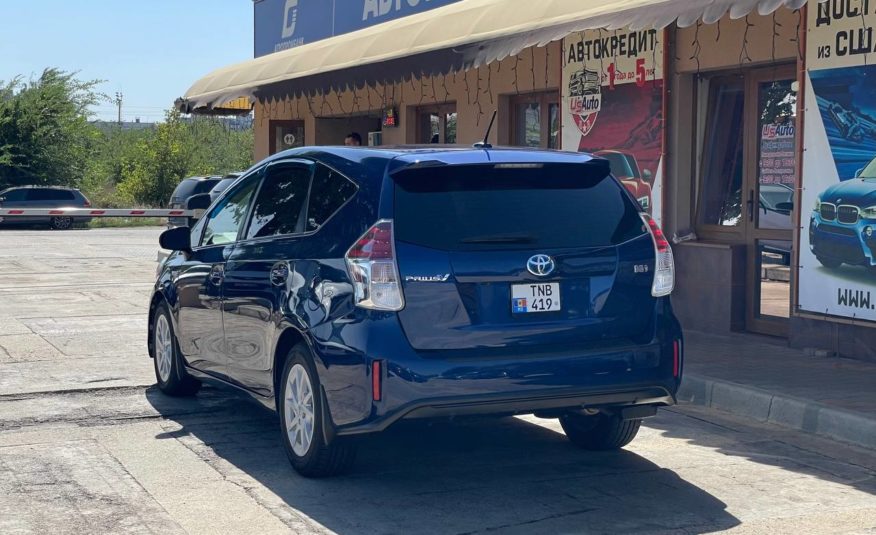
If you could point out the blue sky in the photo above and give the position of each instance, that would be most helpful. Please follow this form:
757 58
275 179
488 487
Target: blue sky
150 50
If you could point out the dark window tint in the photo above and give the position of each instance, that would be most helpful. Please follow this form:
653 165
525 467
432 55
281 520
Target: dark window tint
483 208
226 219
281 202
184 190
329 192
205 186
12 195
50 195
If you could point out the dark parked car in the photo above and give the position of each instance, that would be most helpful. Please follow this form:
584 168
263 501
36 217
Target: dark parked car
223 184
43 198
842 228
186 189
350 288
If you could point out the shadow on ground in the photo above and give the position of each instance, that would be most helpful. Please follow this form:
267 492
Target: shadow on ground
441 477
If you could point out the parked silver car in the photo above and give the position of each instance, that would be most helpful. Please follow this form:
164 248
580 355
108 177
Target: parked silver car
44 198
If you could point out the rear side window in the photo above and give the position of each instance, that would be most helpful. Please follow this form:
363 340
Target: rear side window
329 192
50 195
470 208
280 206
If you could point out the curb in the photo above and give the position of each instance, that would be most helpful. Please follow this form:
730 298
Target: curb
787 411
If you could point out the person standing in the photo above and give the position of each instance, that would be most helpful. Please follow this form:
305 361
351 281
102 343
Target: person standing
353 139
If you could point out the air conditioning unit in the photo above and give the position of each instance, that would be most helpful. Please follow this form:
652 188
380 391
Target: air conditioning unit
375 139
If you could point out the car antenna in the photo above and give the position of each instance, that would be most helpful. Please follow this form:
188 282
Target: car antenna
484 144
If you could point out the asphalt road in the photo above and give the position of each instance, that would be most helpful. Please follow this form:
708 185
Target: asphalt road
87 445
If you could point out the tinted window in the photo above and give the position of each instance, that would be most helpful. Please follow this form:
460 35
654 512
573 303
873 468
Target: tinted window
49 195
482 208
204 186
281 201
329 192
184 189
225 220
12 195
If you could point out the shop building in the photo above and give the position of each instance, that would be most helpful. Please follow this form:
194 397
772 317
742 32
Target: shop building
747 127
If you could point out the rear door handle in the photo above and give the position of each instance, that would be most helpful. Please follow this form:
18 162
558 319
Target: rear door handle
751 205
217 273
279 274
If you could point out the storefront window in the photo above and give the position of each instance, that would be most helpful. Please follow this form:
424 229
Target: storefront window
554 125
529 126
721 201
436 124
536 120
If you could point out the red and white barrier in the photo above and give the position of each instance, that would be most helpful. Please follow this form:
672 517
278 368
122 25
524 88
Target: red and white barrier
97 212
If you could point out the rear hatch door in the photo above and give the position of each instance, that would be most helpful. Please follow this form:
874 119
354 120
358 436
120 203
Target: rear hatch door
520 255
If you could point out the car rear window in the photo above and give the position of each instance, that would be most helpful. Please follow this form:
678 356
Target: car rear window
204 186
465 208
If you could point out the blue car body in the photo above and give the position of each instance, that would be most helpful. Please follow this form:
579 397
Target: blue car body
455 347
841 229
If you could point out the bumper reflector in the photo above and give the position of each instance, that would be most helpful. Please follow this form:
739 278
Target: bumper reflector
375 380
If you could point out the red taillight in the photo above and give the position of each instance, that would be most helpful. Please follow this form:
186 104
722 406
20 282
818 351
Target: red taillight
375 380
676 358
87 204
376 244
660 240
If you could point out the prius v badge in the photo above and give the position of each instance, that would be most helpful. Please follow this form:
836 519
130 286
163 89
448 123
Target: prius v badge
428 278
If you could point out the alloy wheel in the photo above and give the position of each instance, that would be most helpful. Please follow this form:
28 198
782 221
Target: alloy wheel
299 410
163 347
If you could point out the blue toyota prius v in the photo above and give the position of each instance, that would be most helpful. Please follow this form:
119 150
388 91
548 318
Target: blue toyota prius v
349 288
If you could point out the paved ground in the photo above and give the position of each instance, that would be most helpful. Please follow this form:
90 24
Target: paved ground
88 446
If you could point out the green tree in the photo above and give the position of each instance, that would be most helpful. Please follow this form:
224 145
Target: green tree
45 136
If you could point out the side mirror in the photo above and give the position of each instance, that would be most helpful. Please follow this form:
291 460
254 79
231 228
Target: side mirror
785 207
648 176
176 239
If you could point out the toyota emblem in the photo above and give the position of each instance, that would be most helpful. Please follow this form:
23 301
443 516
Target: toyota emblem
541 265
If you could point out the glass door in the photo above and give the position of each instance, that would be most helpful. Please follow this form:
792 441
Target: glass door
770 202
747 184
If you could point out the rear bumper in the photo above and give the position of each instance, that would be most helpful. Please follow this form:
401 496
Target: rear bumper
505 404
418 384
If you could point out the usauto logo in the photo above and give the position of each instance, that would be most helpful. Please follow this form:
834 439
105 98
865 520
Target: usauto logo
541 265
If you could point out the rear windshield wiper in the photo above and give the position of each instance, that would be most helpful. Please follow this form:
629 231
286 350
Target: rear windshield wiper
501 238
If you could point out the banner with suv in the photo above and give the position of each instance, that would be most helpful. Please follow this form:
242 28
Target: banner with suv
838 212
613 105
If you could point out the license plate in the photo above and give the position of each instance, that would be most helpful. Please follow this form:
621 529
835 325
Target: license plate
535 297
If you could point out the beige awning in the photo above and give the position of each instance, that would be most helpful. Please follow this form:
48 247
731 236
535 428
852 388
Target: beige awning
465 34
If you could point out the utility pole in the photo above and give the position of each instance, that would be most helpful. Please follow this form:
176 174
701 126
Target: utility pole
118 101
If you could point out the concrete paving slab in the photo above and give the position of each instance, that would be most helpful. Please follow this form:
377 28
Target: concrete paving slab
74 487
26 347
65 374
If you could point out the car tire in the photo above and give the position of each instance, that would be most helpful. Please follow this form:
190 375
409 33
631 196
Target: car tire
828 262
301 420
599 432
170 371
62 223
